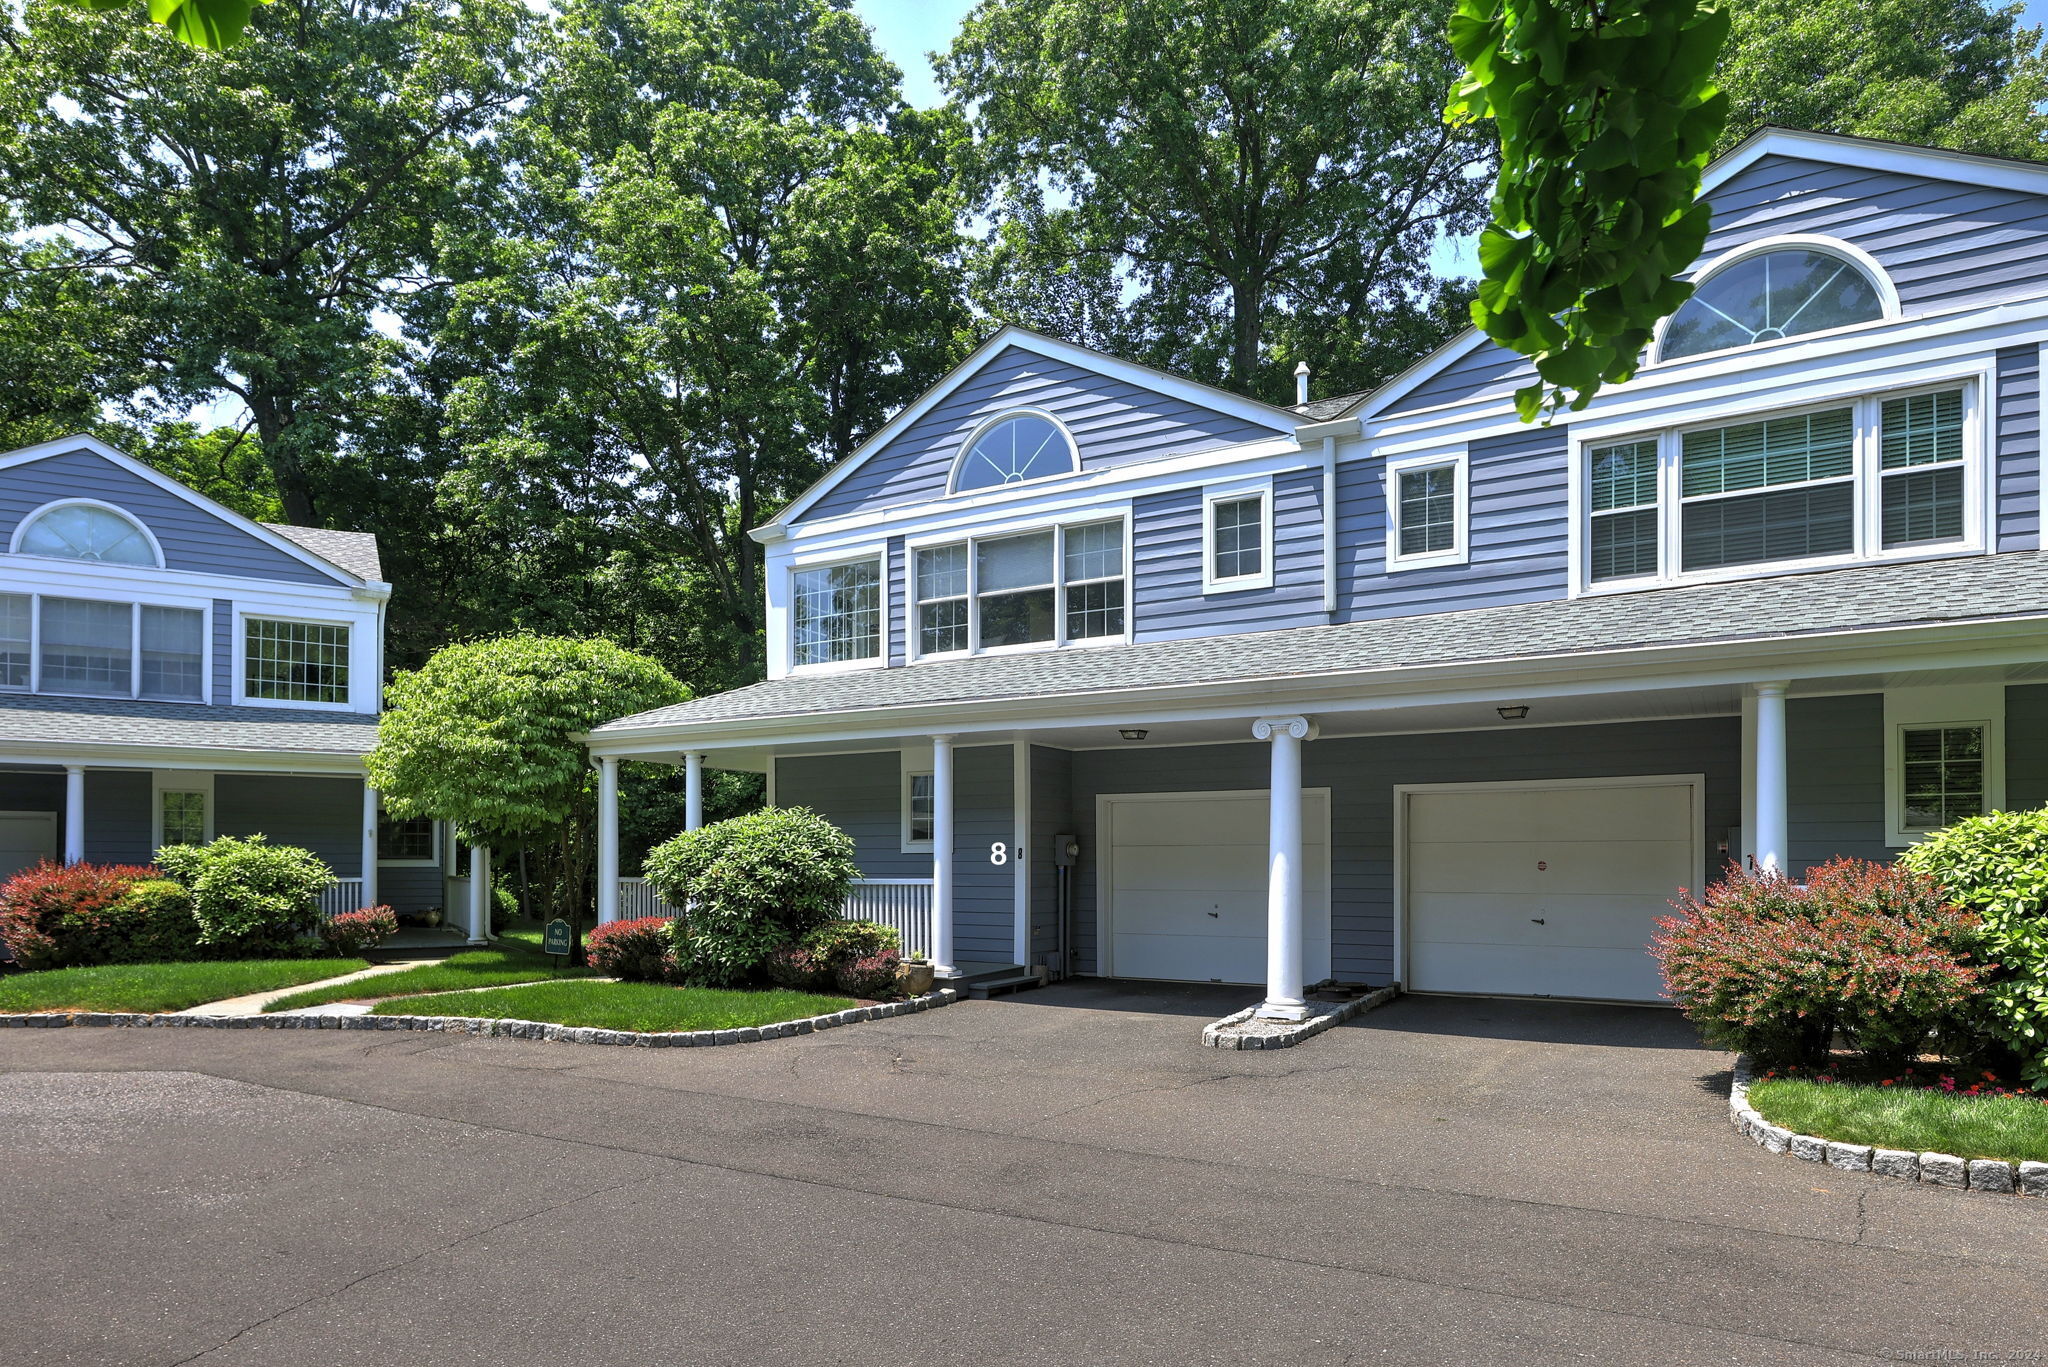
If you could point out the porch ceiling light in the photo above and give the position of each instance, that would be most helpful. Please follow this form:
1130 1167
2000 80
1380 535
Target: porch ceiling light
1133 732
1515 713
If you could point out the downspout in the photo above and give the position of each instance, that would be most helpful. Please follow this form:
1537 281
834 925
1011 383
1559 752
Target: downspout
1330 526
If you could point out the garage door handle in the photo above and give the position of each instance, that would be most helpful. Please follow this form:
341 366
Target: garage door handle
1212 915
1536 920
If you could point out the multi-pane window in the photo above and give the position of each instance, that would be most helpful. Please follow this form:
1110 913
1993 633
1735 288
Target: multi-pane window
405 839
17 611
87 647
917 809
183 815
1426 511
1237 538
173 653
295 661
1762 298
84 531
1943 767
836 613
1862 478
1032 588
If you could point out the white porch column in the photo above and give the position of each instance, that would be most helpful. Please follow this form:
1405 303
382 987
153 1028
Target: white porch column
479 894
74 814
1772 813
1284 999
942 857
369 845
607 839
693 791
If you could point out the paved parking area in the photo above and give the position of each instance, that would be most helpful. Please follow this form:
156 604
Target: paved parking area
1064 1176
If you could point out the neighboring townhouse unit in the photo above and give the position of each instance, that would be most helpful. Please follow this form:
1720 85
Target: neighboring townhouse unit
171 671
1114 673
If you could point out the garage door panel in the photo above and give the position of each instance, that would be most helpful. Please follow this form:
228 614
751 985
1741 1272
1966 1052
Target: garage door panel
1574 866
1614 921
1204 868
1231 959
1522 970
1633 812
1178 822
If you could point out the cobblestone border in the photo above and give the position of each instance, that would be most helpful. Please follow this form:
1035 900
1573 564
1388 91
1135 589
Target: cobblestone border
1243 1029
506 1029
1935 1169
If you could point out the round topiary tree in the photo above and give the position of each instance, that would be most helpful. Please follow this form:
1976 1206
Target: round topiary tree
753 884
1997 865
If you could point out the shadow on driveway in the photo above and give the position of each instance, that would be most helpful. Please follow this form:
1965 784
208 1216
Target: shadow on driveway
1540 1022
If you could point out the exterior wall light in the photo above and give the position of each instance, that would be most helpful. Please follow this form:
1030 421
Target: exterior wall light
1515 713
1133 732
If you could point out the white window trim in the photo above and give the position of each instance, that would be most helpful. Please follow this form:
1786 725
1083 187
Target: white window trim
1880 281
878 556
960 454
1260 489
34 515
135 605
176 781
240 646
1940 705
432 863
1460 551
913 634
1867 404
914 764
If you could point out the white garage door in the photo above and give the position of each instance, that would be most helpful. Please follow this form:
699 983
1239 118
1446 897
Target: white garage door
26 839
1184 886
1548 890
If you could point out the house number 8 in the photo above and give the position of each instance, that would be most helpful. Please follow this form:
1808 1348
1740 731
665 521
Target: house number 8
998 853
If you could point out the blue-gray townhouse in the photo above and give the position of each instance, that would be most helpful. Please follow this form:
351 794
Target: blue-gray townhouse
171 671
1108 672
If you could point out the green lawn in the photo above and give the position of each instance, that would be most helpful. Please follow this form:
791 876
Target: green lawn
160 987
2012 1128
621 1006
516 958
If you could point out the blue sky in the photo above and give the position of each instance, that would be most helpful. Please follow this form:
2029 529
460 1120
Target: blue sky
907 29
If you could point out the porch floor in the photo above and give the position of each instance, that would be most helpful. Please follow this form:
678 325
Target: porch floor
413 938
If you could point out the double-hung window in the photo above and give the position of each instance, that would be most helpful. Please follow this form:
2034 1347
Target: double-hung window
1237 539
56 644
1426 501
286 661
836 613
1049 586
1868 478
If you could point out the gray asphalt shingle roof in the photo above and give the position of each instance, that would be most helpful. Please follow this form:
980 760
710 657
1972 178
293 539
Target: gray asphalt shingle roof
1317 410
355 552
1860 598
196 726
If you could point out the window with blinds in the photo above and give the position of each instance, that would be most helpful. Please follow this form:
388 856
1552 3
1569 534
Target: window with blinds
1866 478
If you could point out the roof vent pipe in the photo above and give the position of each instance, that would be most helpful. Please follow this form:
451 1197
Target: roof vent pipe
1300 383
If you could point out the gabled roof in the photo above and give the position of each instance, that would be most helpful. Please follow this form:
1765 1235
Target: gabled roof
1839 149
1282 420
289 540
355 552
2010 585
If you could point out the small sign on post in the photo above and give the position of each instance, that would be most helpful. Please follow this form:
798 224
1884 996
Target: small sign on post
556 940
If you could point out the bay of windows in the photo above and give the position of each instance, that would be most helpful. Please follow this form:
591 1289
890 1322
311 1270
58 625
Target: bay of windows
55 644
836 613
1863 478
1044 587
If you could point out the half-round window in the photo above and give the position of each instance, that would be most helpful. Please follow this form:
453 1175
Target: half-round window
87 531
1772 295
1012 450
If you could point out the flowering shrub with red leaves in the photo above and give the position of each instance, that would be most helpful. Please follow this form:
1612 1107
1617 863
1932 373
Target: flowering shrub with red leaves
638 950
56 915
873 977
352 932
1774 968
793 966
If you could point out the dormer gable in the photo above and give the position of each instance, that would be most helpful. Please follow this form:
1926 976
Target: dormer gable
1025 407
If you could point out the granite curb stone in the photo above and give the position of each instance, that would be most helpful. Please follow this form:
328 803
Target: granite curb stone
1242 1029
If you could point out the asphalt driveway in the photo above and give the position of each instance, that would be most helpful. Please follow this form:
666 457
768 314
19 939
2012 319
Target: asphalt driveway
1059 1177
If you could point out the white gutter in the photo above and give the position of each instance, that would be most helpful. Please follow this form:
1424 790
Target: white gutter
1330 525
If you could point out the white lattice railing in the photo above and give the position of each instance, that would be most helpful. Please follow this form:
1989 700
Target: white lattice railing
343 894
902 903
636 899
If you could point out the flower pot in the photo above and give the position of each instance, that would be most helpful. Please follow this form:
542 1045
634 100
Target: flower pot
915 979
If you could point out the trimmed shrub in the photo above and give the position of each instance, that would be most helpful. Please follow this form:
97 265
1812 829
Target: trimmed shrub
1773 968
838 942
252 899
60 915
754 884
1997 865
873 977
352 932
638 950
794 966
151 923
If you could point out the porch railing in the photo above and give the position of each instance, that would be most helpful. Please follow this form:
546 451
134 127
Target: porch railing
904 904
636 899
343 894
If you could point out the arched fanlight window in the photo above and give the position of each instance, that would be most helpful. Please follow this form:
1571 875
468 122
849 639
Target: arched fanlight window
1769 295
87 531
1012 449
